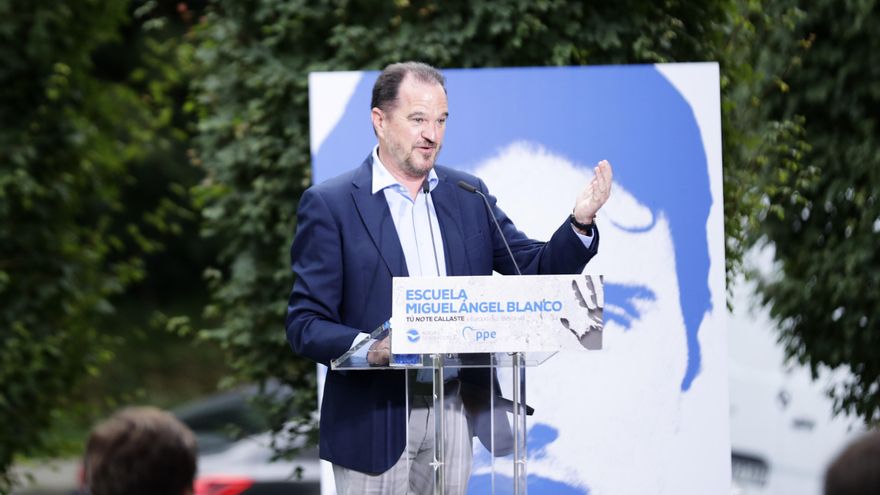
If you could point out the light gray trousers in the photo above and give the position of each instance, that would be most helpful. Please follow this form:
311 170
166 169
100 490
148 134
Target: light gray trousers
413 473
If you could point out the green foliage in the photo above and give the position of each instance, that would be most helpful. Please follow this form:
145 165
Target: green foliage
826 238
63 151
88 202
763 151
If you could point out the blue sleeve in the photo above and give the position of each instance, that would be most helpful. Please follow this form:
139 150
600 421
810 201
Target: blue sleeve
313 310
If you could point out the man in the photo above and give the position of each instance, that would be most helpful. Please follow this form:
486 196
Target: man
140 451
358 231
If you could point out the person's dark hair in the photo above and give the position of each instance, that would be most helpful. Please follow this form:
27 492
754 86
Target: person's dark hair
856 471
388 83
140 451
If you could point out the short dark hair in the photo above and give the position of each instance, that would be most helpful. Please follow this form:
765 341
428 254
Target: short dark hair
140 451
387 85
855 471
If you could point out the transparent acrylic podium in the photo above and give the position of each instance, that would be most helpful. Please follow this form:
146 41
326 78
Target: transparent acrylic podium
499 423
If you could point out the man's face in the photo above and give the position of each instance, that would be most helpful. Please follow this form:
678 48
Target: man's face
411 133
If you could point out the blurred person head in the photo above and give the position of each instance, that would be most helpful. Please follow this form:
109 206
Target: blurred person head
856 470
140 451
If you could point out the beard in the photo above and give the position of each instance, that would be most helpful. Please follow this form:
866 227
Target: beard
416 163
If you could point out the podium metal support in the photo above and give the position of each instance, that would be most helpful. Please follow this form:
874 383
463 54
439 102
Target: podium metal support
519 424
439 463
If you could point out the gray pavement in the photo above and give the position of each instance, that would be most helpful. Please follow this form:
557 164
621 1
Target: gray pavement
52 477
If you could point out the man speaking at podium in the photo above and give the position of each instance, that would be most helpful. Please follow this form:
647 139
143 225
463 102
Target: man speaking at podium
398 214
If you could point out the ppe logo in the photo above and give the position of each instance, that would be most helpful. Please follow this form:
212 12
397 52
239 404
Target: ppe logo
471 334
412 335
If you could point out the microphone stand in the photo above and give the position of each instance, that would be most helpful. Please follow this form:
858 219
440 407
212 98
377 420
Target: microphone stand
519 375
438 380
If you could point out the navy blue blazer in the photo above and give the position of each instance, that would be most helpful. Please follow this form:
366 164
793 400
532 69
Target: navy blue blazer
344 256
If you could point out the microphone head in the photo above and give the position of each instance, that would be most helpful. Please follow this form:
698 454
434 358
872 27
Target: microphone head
425 188
467 187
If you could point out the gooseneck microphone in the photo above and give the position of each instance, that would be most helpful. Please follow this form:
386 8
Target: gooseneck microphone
427 191
520 409
471 189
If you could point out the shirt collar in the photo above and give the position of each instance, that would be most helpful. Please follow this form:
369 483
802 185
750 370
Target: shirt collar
382 178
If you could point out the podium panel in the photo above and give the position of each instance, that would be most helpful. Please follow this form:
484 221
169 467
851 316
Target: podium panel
458 335
474 419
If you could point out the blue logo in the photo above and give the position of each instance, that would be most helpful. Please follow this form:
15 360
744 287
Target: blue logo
471 334
412 335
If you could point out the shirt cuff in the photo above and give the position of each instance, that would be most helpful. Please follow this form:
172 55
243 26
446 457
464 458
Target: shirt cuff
586 239
362 352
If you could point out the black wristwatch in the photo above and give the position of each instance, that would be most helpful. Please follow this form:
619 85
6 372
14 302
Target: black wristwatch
583 227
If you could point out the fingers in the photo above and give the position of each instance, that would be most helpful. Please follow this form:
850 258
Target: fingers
596 192
379 357
379 353
595 186
602 180
604 174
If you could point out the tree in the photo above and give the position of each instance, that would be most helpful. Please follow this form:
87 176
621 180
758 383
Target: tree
826 237
763 149
71 128
62 158
150 364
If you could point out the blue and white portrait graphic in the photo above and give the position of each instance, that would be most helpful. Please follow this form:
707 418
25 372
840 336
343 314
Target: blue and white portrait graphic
534 136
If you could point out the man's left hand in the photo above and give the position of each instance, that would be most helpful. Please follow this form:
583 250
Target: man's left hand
594 195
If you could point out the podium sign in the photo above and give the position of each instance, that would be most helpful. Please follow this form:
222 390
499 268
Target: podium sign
529 313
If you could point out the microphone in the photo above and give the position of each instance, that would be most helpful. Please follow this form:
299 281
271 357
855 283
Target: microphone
427 191
410 359
467 187
519 370
471 189
446 374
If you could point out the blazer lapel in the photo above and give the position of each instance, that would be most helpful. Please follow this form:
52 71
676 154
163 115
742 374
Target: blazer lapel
374 212
449 217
